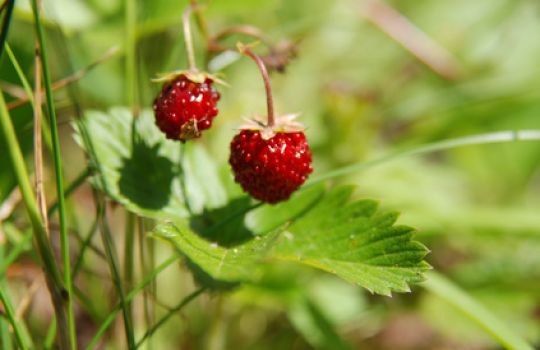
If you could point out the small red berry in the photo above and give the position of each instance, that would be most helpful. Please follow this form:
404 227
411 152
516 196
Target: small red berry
185 107
270 169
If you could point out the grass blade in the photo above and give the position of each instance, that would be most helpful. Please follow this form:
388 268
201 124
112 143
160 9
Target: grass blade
20 74
10 4
146 257
15 251
5 337
169 314
112 316
29 93
64 239
8 307
53 276
79 180
481 139
49 337
131 53
129 249
84 245
445 289
112 260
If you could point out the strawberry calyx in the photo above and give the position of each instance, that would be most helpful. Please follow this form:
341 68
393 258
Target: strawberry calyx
193 75
282 124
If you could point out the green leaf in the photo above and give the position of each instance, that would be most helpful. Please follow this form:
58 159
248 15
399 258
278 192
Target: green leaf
227 246
269 217
355 242
235 264
203 186
142 170
349 239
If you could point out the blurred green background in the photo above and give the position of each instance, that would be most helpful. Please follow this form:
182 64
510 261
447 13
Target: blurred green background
362 95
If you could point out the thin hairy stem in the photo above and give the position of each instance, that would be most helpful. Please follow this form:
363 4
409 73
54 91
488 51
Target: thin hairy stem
266 78
188 38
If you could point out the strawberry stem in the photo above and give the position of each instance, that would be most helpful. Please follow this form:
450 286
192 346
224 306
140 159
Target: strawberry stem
264 72
188 38
201 22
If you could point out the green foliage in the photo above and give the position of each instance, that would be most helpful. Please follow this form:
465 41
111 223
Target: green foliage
125 163
378 118
351 240
356 242
240 263
143 171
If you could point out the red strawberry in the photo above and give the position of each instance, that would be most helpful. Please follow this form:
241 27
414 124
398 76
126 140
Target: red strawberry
270 159
186 105
270 168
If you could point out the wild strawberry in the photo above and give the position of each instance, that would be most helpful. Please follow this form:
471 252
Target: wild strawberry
270 169
186 105
271 159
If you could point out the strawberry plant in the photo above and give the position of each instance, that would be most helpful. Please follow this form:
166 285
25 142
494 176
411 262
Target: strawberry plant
133 216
